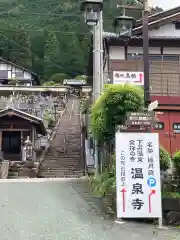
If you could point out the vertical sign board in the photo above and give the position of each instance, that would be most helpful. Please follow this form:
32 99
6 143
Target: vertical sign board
138 175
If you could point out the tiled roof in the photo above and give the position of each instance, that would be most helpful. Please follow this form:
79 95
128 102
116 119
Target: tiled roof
108 35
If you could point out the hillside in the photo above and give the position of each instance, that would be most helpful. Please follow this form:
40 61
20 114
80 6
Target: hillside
48 36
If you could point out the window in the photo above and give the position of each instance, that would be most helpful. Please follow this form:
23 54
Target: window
170 58
3 74
177 25
153 57
134 56
159 126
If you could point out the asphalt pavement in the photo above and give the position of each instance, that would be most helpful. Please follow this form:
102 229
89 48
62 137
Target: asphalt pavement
34 209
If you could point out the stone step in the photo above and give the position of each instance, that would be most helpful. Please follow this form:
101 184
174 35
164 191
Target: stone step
49 168
63 159
65 149
63 155
73 147
60 171
62 166
60 174
60 163
65 166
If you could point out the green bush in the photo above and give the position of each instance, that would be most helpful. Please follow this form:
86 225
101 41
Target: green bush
105 183
165 159
110 109
176 160
59 77
48 83
81 77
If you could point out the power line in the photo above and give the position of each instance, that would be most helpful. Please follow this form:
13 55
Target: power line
78 14
50 31
26 49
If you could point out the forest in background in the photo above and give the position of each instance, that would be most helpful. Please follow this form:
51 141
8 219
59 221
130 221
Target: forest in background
50 37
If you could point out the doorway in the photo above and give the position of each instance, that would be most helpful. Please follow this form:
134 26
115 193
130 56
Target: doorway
11 142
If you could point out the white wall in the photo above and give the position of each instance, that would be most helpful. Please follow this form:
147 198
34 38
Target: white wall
116 53
166 30
173 50
152 50
12 70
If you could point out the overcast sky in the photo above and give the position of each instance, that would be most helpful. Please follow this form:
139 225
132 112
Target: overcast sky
165 4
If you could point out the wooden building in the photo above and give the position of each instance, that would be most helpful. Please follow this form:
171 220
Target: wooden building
11 73
164 66
15 127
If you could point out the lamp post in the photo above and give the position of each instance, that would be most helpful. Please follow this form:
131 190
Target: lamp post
93 17
123 26
145 8
146 55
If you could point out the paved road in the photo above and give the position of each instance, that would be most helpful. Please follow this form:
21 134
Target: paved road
53 210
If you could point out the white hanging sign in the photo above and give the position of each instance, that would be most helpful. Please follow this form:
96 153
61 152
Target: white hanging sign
138 175
136 78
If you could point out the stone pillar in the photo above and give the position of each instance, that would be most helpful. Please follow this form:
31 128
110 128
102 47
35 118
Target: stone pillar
21 153
1 153
33 142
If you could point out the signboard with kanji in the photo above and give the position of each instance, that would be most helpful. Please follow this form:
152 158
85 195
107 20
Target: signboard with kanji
138 175
136 78
176 127
139 118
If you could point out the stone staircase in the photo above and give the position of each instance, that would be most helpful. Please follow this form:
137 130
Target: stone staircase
63 158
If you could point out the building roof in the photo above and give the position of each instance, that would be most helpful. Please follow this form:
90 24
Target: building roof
113 40
36 78
23 115
159 15
161 21
109 35
154 21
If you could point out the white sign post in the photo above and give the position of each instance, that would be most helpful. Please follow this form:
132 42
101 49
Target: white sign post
138 176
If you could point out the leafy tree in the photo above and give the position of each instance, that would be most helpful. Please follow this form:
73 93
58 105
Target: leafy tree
54 41
111 107
59 77
49 83
81 77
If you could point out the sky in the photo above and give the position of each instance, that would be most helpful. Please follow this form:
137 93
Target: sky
165 4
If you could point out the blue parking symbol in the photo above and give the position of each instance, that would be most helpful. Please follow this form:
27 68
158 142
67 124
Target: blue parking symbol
151 182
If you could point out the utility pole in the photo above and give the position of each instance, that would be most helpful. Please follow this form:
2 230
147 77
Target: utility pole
98 79
146 55
98 85
144 8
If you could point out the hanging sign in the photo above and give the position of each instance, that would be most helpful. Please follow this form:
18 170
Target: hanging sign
136 78
138 175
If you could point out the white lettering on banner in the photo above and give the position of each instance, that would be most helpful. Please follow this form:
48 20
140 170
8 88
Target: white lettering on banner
138 175
120 77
